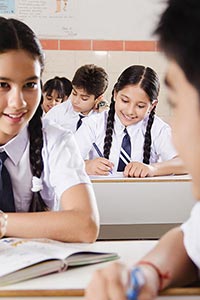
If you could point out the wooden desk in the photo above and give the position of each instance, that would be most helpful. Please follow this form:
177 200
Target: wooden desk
141 208
73 281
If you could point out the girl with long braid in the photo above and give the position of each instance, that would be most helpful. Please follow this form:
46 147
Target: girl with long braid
44 189
130 125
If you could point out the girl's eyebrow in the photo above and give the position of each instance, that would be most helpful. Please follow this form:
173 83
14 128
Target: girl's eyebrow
27 79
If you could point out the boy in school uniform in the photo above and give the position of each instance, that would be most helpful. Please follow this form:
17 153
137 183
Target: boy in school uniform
175 260
89 85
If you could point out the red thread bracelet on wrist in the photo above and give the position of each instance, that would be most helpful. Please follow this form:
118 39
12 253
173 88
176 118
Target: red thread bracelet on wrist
161 275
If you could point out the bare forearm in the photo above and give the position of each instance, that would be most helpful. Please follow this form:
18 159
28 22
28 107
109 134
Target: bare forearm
67 226
78 221
172 166
170 256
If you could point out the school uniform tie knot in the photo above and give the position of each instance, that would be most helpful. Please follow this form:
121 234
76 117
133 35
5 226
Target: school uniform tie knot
79 121
6 191
125 152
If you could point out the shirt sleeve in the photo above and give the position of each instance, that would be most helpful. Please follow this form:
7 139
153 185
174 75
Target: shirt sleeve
163 143
191 231
66 166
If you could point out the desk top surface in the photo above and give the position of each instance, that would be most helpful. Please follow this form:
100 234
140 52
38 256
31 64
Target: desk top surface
73 281
118 177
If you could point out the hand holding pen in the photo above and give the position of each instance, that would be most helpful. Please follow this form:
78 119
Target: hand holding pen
100 165
117 281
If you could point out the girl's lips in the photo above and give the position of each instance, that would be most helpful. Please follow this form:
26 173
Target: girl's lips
14 117
127 117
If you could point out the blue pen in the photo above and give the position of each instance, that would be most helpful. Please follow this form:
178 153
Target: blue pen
99 152
136 282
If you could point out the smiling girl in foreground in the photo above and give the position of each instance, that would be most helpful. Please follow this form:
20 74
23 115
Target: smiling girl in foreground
51 195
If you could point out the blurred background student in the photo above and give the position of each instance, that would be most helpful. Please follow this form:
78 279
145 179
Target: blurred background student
55 91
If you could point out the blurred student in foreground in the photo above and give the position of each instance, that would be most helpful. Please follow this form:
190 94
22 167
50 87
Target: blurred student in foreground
175 260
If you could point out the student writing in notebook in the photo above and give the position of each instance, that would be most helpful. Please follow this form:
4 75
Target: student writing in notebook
55 91
44 190
87 98
131 138
175 260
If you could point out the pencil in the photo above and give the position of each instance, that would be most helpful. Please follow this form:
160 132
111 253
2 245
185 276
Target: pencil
97 149
99 152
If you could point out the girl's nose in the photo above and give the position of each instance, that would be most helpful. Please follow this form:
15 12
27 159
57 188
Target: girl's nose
131 110
16 99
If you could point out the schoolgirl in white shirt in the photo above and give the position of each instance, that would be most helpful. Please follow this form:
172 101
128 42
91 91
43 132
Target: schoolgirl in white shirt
132 108
55 91
50 194
87 98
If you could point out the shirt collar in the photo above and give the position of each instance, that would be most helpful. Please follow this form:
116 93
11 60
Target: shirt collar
16 147
119 127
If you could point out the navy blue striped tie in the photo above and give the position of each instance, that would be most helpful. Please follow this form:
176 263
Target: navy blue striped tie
79 121
6 191
125 152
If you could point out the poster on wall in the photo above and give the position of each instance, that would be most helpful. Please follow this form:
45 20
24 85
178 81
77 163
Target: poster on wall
87 19
48 18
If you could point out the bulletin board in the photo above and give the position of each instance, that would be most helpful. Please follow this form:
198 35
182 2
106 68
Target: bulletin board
87 19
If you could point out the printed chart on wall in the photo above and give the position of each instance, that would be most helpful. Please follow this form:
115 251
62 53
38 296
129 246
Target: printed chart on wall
48 18
86 19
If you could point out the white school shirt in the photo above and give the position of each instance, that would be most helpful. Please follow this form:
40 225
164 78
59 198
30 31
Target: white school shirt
63 166
93 131
64 115
191 231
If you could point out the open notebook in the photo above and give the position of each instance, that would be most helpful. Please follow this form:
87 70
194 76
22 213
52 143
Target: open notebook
22 259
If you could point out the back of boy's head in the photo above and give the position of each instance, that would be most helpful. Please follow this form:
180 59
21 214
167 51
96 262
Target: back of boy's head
91 78
179 36
15 35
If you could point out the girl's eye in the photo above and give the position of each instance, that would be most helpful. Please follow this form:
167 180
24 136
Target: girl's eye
31 85
84 99
4 85
73 93
141 106
124 100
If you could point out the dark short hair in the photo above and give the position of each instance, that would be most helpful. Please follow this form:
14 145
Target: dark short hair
61 85
91 78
